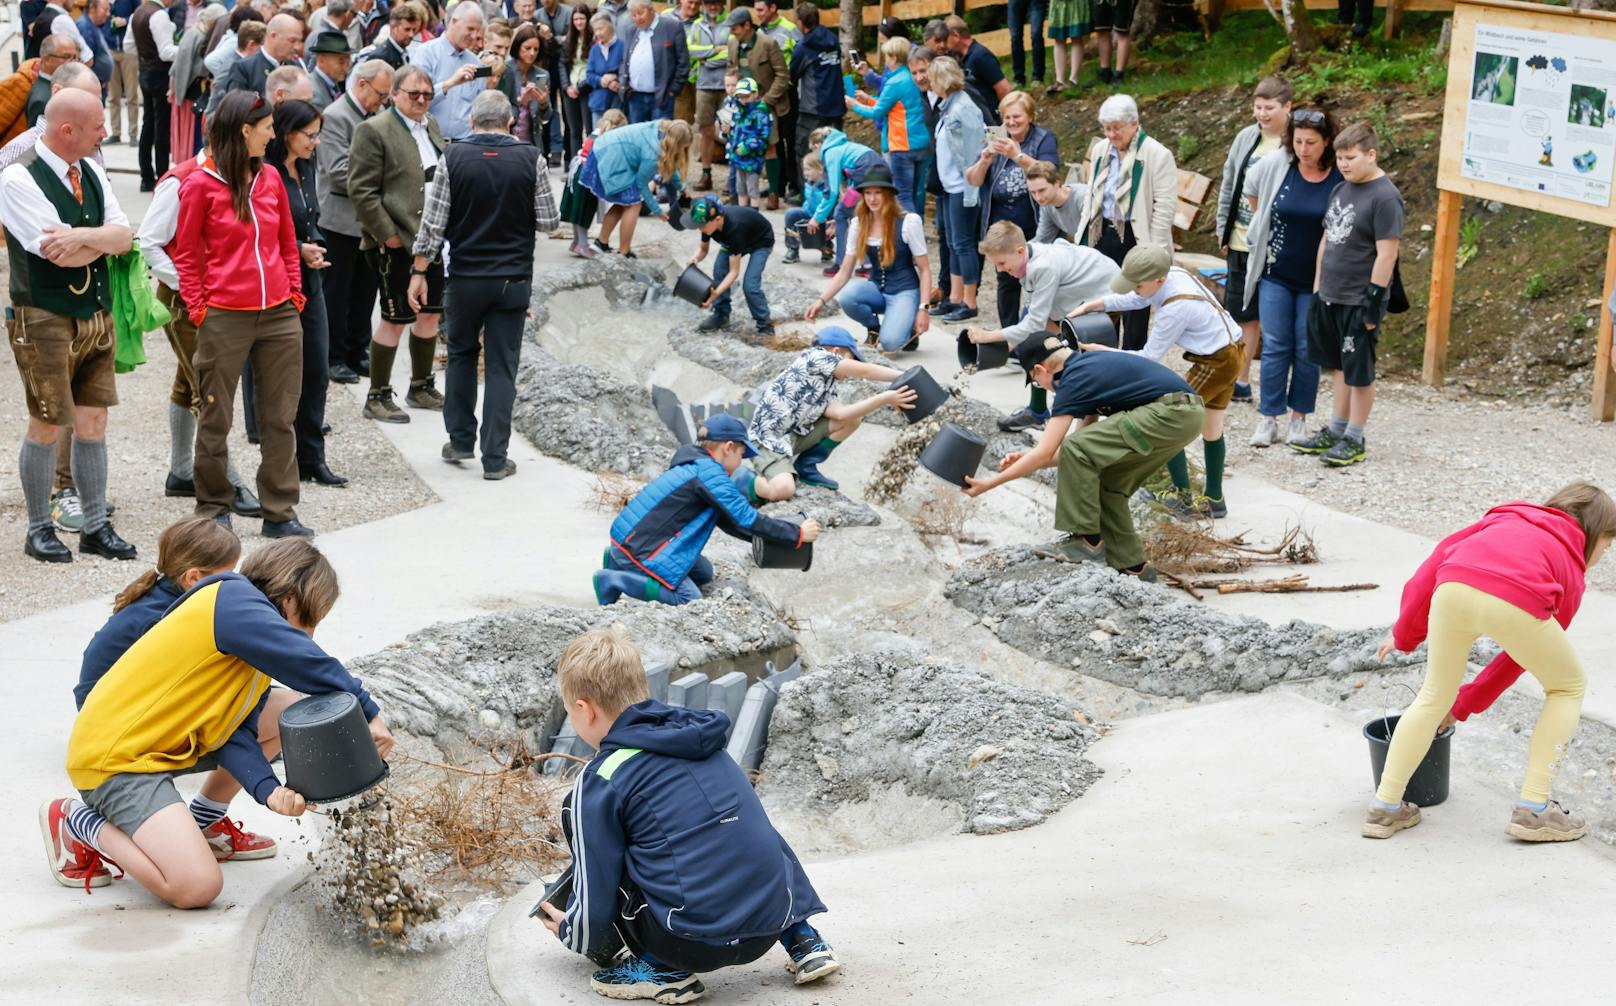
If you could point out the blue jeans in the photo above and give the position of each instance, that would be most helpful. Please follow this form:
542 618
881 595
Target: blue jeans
963 260
796 216
751 284
689 589
893 313
844 219
642 106
909 175
1016 16
1283 313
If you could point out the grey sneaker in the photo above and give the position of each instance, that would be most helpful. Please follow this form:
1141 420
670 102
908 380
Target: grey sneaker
1297 433
1386 823
504 471
1022 419
1318 443
1074 547
1346 451
66 512
424 396
379 406
1553 824
1267 432
455 455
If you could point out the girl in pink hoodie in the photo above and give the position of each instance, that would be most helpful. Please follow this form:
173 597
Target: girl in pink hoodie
1517 576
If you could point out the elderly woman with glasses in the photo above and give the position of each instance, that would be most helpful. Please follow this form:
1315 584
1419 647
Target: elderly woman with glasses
1133 194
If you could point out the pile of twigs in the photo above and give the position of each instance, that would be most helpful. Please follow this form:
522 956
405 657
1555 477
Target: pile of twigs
612 491
1185 549
945 515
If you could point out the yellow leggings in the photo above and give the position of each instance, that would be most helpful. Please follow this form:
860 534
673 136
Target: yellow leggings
1459 614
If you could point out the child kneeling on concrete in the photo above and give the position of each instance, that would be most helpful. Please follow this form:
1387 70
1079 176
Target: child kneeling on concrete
187 696
1151 414
725 892
798 421
657 540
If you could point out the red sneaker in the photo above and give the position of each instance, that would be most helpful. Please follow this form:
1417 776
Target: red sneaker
230 841
72 863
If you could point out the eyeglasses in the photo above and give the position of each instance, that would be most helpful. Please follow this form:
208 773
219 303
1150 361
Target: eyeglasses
309 134
417 95
1308 117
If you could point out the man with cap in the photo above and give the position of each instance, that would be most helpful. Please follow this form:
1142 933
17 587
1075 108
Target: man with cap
1187 315
332 56
742 233
1151 414
798 421
655 554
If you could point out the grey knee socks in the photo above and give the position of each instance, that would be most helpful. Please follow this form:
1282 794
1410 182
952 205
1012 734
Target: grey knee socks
90 475
181 442
37 466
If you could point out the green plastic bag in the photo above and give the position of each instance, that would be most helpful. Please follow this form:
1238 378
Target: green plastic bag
135 309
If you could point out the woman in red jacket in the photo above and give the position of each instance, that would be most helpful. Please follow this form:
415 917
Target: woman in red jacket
1516 576
235 250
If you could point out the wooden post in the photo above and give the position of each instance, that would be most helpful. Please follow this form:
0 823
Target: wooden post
1444 259
1604 403
1394 18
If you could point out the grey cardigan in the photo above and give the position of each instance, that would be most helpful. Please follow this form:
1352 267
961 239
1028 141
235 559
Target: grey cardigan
336 137
1234 172
1262 181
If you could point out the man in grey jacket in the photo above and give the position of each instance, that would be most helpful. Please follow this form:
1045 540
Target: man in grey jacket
656 61
350 283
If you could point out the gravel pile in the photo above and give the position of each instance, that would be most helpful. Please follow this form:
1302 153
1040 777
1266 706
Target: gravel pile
1007 757
831 509
1143 636
586 418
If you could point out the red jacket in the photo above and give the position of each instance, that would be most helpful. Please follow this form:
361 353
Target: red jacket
233 264
1529 555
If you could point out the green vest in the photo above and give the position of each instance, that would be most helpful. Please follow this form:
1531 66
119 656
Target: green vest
37 282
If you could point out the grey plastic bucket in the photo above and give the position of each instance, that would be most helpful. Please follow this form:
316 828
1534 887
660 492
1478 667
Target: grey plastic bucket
328 749
929 395
953 453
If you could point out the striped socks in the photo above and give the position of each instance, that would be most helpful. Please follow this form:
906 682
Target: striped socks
84 824
207 812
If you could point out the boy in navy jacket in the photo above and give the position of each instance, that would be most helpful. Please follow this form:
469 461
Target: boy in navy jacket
655 554
673 855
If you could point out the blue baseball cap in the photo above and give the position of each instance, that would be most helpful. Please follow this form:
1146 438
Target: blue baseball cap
721 428
836 335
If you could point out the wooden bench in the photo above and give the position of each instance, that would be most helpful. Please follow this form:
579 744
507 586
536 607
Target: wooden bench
1193 188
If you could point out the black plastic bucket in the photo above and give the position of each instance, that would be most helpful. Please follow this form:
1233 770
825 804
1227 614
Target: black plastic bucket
1095 329
982 356
777 555
1428 786
328 750
811 240
953 453
557 893
693 286
929 395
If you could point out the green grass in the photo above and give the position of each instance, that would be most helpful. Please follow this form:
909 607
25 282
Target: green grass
1184 61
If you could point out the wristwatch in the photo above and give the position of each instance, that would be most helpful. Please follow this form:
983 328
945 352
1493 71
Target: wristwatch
417 272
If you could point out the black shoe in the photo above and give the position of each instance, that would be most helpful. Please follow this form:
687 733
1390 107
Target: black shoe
765 329
455 455
104 541
713 322
176 486
361 366
1022 419
222 518
912 346
148 186
293 528
45 546
245 503
343 374
1242 393
325 429
252 438
505 471
322 474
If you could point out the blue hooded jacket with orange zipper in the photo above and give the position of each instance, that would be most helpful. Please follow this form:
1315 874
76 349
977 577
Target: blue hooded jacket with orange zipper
900 111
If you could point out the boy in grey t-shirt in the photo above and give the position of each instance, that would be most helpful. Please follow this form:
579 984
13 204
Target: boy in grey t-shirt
1357 257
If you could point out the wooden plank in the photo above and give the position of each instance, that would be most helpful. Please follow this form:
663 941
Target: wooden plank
997 42
921 10
1603 406
1394 17
1436 5
1444 259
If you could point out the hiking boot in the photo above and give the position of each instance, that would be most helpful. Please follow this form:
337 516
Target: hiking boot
792 257
454 455
1145 572
1267 432
1242 392
637 979
379 406
424 395
66 511
1180 505
72 863
229 840
1318 443
1296 433
1206 506
1552 824
1075 548
811 959
1023 419
705 182
1346 451
504 471
1381 823
714 322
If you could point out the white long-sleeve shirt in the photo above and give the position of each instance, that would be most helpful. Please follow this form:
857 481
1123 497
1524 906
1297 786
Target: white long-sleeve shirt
1196 322
26 211
62 24
162 30
157 230
223 56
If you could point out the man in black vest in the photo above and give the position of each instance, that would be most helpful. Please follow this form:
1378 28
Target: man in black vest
61 222
490 197
151 34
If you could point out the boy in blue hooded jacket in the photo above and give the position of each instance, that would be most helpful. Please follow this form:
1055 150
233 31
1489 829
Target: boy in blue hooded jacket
655 554
672 854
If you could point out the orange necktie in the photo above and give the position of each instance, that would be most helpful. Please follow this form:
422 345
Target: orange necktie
73 180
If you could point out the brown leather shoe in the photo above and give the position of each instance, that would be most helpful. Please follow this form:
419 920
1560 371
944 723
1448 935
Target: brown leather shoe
774 201
1553 824
1386 823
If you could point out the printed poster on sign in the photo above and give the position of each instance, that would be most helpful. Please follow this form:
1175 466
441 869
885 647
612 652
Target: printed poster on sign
1542 113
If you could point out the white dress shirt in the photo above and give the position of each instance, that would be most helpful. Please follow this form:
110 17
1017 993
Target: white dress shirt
162 31
642 63
1199 323
62 24
25 210
157 229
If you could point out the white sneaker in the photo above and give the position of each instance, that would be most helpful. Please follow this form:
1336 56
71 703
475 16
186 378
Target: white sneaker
1267 432
1297 434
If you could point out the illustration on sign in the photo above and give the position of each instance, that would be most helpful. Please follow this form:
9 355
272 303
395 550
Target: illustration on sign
1530 91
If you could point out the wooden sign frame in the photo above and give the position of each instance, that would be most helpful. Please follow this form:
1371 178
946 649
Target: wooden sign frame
1453 186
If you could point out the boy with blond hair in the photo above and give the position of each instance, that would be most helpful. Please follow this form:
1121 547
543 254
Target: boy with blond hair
731 888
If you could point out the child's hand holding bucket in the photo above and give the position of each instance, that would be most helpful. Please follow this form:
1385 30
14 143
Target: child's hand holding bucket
382 736
288 802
